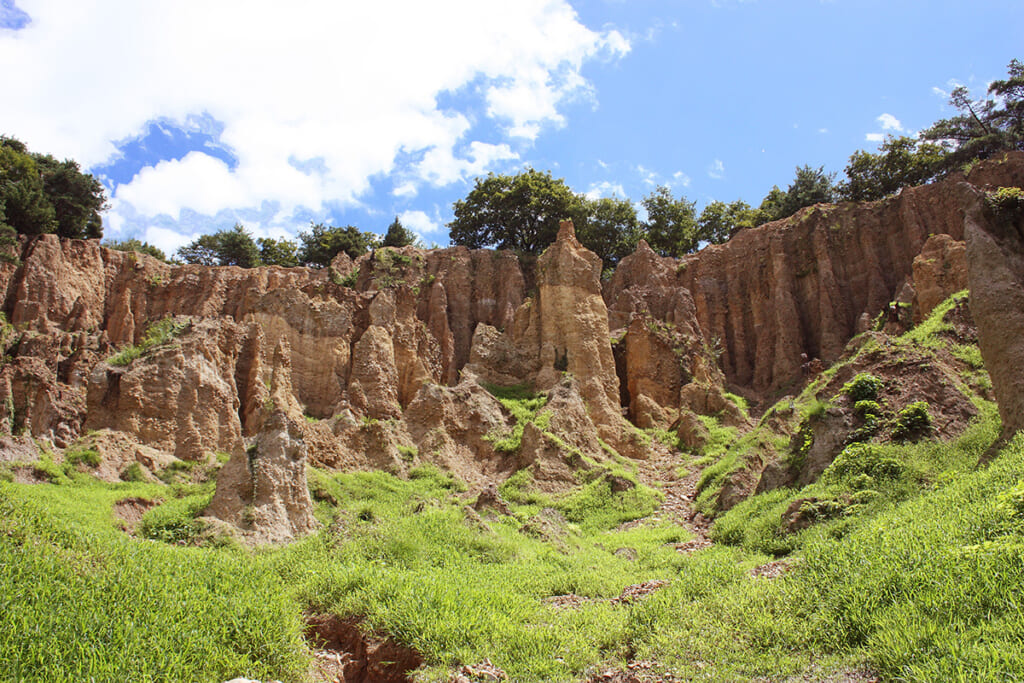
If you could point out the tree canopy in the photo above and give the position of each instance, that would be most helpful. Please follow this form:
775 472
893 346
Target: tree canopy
323 242
985 127
609 228
519 212
234 247
39 194
671 228
134 244
398 235
900 162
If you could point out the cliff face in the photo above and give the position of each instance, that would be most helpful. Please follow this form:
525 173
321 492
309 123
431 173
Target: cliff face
802 285
384 353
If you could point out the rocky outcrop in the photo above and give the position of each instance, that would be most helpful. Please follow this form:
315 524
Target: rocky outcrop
183 399
995 261
262 490
563 330
939 271
800 286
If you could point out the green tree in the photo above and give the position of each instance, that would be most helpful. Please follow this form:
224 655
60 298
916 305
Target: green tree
77 198
900 162
610 228
234 247
671 228
810 186
26 207
720 221
133 244
322 243
520 212
43 195
986 127
398 235
281 252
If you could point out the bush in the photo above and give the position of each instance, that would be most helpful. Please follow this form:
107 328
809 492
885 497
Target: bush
88 456
158 333
912 422
857 459
863 387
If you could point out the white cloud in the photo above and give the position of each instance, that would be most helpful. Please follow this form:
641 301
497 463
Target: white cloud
680 179
890 122
716 170
648 176
440 166
874 137
420 223
605 188
354 86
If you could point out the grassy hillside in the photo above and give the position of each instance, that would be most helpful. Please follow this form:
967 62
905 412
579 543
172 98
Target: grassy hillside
911 569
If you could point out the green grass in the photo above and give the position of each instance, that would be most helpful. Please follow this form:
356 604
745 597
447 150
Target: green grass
158 333
921 584
525 407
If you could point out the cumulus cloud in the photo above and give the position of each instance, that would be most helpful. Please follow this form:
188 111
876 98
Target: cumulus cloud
421 224
313 99
716 170
605 188
890 122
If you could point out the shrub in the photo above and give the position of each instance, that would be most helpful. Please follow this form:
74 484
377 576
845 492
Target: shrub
858 459
863 387
867 409
912 422
88 456
158 333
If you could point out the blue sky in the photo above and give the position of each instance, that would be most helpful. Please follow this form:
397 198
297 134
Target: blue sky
198 115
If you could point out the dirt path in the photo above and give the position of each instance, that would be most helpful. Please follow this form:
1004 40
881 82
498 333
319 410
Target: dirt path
659 471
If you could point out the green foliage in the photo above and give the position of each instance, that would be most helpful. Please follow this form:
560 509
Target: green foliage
525 406
175 521
519 212
160 332
810 186
863 387
597 506
985 128
671 228
322 243
1006 202
234 247
133 473
133 244
900 162
280 252
398 235
39 194
87 456
867 408
610 228
912 422
858 459
720 221
84 601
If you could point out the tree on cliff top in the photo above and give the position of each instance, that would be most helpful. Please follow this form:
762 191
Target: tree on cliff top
671 228
234 247
986 127
519 212
398 235
323 242
43 195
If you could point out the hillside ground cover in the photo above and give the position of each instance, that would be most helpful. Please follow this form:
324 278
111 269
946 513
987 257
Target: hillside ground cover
910 569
